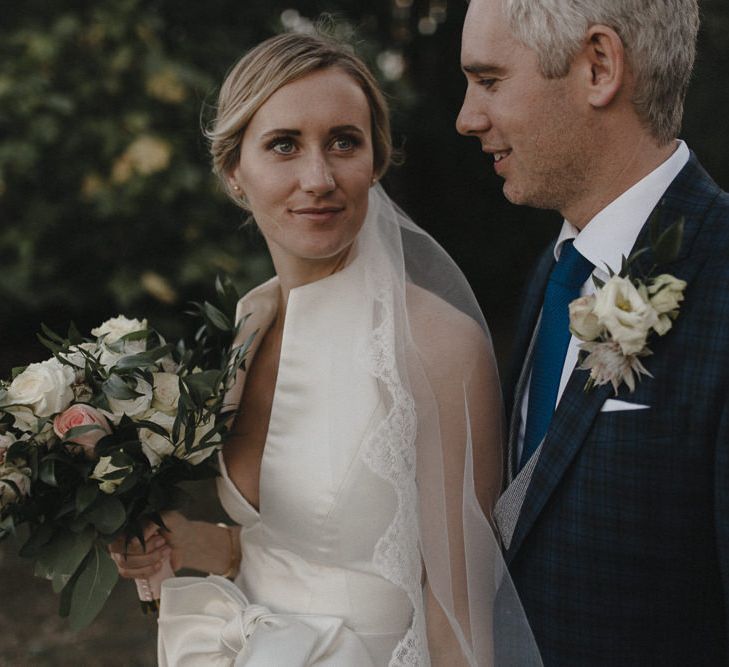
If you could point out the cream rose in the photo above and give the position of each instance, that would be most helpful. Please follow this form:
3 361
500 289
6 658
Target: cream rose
626 315
14 484
103 469
132 407
5 442
666 294
117 327
166 391
583 321
111 332
44 388
81 414
155 446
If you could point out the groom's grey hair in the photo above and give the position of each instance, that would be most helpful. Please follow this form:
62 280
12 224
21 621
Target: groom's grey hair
659 37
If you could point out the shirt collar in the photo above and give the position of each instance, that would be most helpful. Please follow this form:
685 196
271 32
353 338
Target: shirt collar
612 233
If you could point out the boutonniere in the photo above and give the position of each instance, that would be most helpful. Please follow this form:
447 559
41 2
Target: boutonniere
616 323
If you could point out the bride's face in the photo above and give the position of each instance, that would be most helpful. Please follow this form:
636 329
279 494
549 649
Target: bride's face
306 166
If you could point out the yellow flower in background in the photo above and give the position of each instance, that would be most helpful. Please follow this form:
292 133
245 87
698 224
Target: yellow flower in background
144 156
158 286
165 85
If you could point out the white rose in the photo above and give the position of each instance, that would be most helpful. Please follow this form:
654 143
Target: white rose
666 293
628 317
155 446
117 327
44 387
132 407
166 391
196 457
168 364
104 468
583 321
5 442
10 476
111 331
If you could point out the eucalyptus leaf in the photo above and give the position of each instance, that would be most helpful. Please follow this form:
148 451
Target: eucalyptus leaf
94 585
77 431
37 539
116 387
143 359
108 516
85 496
47 472
217 318
52 335
65 552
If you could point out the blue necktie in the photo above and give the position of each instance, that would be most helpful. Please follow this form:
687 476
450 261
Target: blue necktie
565 281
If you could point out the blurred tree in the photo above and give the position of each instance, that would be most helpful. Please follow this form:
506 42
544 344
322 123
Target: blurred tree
106 199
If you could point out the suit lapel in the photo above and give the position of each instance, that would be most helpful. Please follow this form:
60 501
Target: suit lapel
689 196
523 345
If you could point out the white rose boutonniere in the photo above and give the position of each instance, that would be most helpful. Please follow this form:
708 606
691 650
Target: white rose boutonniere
616 322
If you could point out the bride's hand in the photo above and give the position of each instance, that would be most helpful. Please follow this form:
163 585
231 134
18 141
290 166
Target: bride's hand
136 562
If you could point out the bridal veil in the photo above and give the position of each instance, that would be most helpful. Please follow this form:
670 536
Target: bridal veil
440 446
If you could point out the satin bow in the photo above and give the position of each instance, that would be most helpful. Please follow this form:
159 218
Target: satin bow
211 622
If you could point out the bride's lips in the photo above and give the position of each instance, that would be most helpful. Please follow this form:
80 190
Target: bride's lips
318 213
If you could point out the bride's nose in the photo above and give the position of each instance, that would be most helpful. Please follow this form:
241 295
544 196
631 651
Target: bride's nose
316 176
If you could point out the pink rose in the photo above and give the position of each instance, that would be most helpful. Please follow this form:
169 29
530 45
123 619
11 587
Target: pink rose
81 414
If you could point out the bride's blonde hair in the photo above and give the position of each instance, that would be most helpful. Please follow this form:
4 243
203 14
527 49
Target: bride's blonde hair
271 65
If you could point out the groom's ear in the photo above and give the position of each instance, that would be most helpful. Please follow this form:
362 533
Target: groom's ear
603 59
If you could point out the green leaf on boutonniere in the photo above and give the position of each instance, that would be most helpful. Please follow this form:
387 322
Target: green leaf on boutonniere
667 245
97 578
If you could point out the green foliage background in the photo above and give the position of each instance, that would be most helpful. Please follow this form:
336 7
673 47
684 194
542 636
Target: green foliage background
107 203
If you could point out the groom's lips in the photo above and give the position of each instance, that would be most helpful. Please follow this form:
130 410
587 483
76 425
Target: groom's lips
500 157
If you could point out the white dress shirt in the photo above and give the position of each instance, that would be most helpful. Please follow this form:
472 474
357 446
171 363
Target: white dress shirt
605 240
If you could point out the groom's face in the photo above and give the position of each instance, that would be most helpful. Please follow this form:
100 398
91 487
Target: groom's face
533 126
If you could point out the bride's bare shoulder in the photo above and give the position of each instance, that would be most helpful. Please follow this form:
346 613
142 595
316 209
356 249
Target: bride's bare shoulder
443 334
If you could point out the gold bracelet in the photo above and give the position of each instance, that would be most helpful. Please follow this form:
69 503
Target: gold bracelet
234 562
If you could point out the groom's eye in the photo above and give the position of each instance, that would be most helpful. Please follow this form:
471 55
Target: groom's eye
487 83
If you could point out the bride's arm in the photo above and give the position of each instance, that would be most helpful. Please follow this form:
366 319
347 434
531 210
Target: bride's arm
466 414
196 545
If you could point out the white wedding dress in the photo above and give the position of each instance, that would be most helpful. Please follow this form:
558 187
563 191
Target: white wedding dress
308 590
375 472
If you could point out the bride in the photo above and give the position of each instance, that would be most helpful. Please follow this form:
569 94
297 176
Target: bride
365 454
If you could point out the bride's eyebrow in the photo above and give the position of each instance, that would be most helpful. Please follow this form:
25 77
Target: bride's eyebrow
346 128
270 134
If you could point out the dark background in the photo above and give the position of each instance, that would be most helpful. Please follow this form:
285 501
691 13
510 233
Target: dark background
107 203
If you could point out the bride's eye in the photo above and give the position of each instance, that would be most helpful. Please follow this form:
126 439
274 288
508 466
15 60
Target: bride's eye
281 145
345 143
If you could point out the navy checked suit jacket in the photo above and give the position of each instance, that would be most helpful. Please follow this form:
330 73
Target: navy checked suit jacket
621 550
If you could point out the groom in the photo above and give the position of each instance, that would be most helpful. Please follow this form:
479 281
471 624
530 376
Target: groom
615 520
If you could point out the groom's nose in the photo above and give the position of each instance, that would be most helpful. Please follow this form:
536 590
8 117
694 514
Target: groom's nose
472 118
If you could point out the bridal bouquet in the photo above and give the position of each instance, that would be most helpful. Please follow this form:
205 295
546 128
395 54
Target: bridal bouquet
95 441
